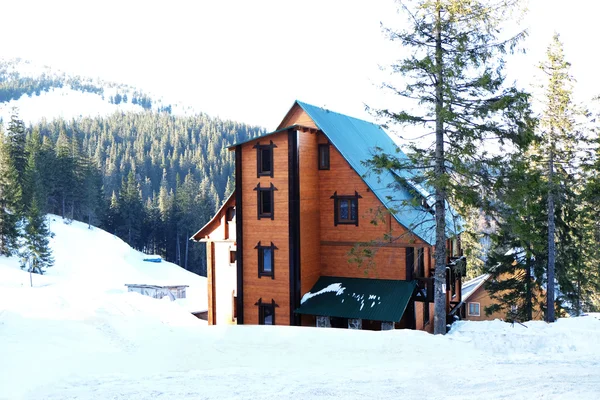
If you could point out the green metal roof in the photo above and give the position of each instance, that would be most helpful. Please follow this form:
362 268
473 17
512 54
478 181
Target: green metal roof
371 299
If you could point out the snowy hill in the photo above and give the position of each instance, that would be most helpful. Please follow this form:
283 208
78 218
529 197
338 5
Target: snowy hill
41 92
95 262
78 335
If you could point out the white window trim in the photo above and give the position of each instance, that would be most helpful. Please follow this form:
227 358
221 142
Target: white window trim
469 310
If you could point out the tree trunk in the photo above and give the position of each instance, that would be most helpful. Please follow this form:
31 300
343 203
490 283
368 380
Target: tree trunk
528 300
439 318
187 245
551 248
178 251
63 206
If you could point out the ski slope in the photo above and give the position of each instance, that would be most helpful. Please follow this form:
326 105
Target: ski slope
76 334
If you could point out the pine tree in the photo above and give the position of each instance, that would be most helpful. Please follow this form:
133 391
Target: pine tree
517 258
557 149
10 201
16 139
65 182
455 73
35 253
131 210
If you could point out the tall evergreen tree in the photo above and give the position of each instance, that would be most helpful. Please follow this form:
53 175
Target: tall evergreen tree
16 139
558 146
35 253
10 200
65 182
455 72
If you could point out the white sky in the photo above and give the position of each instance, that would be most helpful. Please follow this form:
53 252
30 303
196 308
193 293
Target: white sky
249 60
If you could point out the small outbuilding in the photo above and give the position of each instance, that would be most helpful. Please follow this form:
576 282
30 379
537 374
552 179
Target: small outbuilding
159 292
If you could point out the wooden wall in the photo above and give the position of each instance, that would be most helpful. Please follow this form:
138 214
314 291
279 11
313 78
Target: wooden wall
482 297
297 116
374 222
266 231
310 248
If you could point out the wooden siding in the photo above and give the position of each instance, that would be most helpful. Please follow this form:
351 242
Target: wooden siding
389 262
482 297
310 248
266 231
297 116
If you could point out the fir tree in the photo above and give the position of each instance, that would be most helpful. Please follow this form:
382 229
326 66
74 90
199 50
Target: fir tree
455 72
16 140
10 201
35 252
557 150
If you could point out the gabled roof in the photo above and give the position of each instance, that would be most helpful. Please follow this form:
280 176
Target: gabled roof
372 299
468 288
210 225
357 141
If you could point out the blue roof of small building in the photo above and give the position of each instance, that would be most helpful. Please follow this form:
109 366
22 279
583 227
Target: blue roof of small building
357 141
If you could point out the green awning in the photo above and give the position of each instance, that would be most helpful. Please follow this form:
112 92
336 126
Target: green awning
371 299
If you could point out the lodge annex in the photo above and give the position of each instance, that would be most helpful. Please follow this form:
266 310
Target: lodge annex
279 248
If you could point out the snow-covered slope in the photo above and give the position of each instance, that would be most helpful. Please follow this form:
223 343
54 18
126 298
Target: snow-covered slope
95 262
77 335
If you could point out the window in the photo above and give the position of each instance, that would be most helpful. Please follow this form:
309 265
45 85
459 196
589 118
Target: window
265 201
266 312
232 256
345 209
266 260
324 156
474 309
264 159
425 313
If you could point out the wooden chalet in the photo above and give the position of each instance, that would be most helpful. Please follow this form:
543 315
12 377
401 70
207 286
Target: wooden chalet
475 299
303 200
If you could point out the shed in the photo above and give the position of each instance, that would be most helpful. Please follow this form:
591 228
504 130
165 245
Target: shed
158 292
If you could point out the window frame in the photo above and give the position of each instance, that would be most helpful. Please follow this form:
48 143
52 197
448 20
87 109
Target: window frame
336 208
469 309
259 157
261 311
261 191
324 147
261 260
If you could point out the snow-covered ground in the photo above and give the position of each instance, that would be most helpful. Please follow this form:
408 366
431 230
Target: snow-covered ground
63 339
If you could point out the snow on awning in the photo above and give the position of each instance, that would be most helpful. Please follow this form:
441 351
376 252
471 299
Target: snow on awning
370 299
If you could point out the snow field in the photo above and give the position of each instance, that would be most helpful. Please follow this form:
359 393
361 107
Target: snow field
77 334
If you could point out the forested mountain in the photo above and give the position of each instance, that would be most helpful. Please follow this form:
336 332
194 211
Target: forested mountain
19 78
148 176
161 176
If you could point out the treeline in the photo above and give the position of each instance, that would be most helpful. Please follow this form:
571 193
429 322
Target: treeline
152 179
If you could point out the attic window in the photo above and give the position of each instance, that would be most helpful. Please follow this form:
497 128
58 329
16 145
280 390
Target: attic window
324 156
345 209
264 159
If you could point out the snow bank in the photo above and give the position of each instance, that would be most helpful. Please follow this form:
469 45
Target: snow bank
568 335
